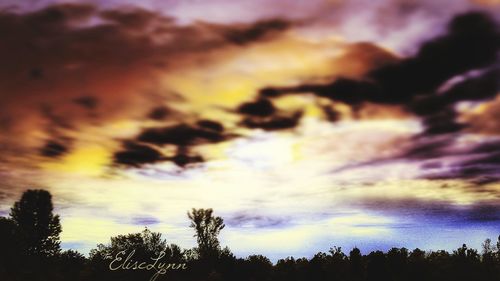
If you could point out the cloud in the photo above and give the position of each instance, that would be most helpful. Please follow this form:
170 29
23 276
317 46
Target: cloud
446 157
478 212
145 148
258 31
131 18
472 42
184 158
262 114
87 102
261 107
459 66
248 220
479 164
134 154
428 148
53 149
277 122
71 66
145 220
182 135
484 120
210 125
159 113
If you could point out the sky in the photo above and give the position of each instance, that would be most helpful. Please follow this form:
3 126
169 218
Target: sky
303 124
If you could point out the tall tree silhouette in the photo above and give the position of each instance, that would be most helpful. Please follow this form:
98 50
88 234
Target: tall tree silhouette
37 226
207 228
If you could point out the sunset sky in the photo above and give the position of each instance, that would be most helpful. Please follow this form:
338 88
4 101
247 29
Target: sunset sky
304 124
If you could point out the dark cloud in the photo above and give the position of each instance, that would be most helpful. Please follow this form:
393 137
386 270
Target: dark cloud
256 221
437 111
277 122
436 210
488 159
262 114
260 107
342 89
255 32
331 114
211 125
135 155
461 65
486 213
428 148
145 221
443 122
159 113
479 164
487 147
54 149
472 42
87 102
185 137
184 158
181 135
49 18
133 18
481 87
52 56
476 174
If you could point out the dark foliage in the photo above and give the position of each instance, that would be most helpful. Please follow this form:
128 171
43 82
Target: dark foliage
36 225
208 261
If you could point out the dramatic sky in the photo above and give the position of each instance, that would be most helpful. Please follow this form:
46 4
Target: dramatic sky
304 124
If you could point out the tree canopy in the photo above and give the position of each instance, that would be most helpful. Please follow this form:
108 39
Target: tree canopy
37 226
207 228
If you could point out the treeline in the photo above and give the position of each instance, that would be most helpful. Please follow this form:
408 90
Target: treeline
30 250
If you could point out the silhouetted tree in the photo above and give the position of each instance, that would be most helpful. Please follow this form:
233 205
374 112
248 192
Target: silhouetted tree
439 263
207 228
356 265
417 265
376 268
11 250
144 243
256 267
466 263
317 267
71 265
142 246
286 269
337 265
25 256
397 262
37 226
